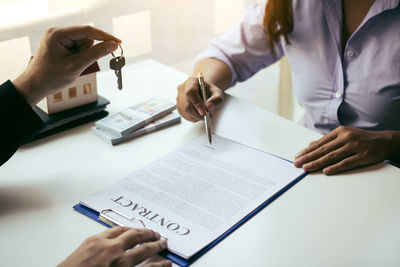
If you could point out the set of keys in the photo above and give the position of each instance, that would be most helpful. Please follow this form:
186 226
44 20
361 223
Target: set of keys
116 64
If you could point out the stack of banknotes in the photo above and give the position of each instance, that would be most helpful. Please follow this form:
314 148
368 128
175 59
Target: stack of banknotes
147 116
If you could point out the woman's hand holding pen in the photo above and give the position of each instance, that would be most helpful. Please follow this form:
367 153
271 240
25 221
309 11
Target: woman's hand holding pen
217 76
118 246
189 101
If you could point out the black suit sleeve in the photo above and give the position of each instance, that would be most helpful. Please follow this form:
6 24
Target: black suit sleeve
18 121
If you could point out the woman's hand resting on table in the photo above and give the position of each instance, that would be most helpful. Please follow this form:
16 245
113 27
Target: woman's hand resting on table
118 246
346 148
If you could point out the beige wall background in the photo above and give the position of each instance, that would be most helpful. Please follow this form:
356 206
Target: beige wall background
172 32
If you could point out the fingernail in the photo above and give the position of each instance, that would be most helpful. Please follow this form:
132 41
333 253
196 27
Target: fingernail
326 171
112 46
164 243
157 235
201 111
306 166
297 163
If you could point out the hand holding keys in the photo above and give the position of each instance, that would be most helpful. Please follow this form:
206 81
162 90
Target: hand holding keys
116 64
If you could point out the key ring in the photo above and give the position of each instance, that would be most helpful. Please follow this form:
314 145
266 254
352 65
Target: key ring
122 51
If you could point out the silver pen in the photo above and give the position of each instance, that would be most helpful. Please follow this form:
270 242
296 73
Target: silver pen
207 120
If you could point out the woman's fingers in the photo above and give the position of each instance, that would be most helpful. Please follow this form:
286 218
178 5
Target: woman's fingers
216 98
190 102
330 158
191 93
344 165
316 144
185 103
343 149
186 109
325 151
195 100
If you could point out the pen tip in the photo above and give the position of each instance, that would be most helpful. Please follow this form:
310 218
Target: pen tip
200 75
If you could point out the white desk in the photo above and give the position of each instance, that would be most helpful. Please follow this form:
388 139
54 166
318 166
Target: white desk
346 220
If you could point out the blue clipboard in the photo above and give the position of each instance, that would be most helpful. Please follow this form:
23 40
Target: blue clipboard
186 262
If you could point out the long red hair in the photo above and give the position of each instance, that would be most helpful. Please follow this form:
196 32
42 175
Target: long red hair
278 21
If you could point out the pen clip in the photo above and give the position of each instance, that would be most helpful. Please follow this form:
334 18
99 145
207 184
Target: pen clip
207 119
202 85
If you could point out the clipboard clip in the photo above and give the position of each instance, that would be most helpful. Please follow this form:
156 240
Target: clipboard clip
106 217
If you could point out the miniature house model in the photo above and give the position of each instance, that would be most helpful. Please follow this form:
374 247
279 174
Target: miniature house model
82 91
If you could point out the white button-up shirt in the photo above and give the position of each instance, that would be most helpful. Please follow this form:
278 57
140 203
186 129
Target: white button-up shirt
358 87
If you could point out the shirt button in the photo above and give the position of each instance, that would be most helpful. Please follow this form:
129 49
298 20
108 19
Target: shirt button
338 94
350 53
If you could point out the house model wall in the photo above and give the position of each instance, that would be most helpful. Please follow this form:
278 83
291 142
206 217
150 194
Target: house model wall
82 91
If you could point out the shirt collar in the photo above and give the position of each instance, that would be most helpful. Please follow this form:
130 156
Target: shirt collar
390 4
333 14
380 6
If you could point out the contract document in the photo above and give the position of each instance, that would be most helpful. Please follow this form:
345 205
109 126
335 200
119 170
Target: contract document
196 193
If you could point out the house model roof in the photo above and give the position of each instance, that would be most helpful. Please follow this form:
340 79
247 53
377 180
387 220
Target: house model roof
91 69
